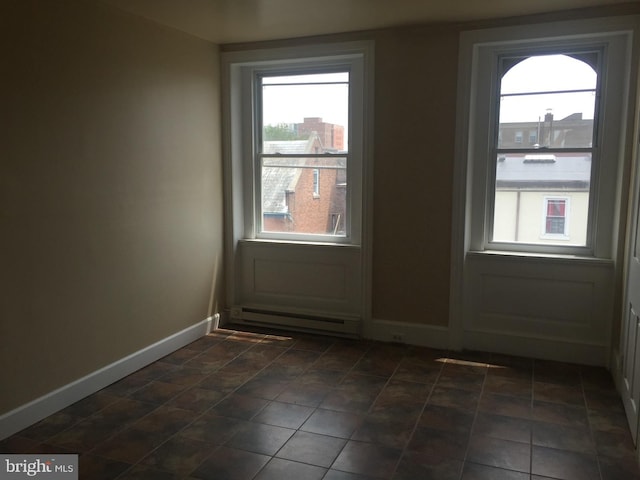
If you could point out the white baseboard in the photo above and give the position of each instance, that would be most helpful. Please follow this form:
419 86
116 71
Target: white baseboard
34 411
410 333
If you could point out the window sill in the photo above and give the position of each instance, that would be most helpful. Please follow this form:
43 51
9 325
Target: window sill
285 242
540 257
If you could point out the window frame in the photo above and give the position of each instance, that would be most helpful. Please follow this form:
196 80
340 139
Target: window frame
482 50
240 73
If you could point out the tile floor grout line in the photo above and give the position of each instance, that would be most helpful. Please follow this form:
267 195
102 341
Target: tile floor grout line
417 422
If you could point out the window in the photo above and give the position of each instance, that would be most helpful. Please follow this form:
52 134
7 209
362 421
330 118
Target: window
316 183
555 84
555 218
297 125
518 137
299 115
565 85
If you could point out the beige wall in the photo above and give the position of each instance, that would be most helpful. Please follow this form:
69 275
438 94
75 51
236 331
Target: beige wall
110 189
415 104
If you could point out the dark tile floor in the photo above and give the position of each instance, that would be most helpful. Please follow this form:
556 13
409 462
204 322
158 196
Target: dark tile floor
237 405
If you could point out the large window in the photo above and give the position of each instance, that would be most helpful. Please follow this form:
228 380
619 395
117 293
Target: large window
554 97
297 143
538 140
304 123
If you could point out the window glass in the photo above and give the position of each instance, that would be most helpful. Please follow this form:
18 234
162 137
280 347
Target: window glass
553 98
304 153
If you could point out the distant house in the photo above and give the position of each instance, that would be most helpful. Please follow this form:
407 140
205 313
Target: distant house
542 198
303 195
568 132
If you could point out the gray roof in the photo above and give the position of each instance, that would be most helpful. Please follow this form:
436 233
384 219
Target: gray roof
276 181
543 170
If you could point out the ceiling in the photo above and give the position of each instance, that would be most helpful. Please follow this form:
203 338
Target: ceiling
231 21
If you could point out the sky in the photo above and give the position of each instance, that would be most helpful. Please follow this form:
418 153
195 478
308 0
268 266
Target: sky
292 103
547 73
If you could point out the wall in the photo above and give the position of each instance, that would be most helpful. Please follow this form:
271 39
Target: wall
415 104
110 190
416 71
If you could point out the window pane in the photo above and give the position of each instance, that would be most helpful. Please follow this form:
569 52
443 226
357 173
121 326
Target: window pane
572 128
304 195
548 73
523 211
294 107
552 98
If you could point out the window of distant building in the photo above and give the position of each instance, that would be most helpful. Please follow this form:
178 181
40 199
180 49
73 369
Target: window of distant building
316 182
553 89
555 216
518 138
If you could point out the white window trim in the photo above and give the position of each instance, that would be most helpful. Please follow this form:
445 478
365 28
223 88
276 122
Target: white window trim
473 130
567 212
238 68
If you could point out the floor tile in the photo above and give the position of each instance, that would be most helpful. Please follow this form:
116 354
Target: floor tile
384 431
239 406
230 464
552 435
196 399
619 469
500 453
439 443
473 471
575 416
412 372
213 429
338 475
283 415
165 420
447 418
502 427
551 392
507 405
311 448
130 445
367 459
454 398
178 455
278 469
259 438
564 465
336 424
307 395
414 466
509 386
139 472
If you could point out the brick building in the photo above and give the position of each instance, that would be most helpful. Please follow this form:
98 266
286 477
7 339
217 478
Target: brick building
331 136
303 195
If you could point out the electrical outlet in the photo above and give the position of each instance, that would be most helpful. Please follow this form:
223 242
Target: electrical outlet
397 337
236 312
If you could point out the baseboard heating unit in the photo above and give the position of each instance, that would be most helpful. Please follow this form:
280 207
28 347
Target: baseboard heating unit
327 324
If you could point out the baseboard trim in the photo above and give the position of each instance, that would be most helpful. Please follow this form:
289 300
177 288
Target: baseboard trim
34 411
538 347
411 333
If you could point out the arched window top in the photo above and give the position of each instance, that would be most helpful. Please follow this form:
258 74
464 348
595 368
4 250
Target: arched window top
534 86
549 73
